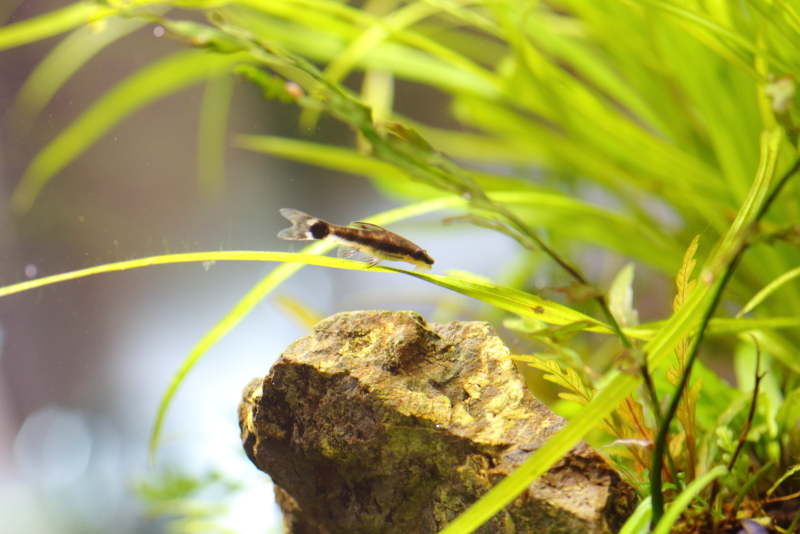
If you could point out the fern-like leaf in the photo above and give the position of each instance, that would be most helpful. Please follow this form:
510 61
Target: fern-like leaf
566 378
682 280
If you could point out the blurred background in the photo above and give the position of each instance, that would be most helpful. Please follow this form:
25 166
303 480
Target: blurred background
83 364
617 132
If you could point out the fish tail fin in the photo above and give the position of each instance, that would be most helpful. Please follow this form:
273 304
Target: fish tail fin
301 225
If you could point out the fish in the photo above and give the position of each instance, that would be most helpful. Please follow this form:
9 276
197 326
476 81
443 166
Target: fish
360 240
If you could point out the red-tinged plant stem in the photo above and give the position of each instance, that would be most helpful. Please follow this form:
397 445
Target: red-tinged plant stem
742 439
656 491
749 422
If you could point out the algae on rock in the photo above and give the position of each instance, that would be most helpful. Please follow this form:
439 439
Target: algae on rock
381 423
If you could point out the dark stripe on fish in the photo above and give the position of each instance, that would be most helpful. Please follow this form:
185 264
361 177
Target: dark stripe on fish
373 242
389 243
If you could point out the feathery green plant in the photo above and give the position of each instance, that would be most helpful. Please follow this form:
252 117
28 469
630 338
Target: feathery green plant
663 105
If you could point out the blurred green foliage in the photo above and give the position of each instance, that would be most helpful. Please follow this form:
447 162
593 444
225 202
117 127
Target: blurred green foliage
678 114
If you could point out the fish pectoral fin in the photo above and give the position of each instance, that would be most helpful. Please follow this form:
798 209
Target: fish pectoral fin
346 252
350 253
367 226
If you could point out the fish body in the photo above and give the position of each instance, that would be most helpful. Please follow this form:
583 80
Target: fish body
362 240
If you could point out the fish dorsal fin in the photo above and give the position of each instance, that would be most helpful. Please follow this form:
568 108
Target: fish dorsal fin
367 226
350 253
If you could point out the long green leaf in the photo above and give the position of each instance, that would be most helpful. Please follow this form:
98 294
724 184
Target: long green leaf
679 326
718 327
502 297
154 81
731 41
212 133
685 499
557 212
600 407
505 298
321 43
191 257
769 289
639 521
51 23
64 60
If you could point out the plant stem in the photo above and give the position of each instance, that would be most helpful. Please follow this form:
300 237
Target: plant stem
656 493
657 496
651 390
572 271
766 468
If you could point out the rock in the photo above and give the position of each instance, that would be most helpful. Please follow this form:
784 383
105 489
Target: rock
381 423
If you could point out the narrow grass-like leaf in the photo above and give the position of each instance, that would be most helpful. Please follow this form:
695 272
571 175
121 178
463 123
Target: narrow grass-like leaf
720 327
191 257
377 92
341 65
736 235
730 41
557 212
395 23
639 521
724 327
768 290
385 176
513 300
323 43
329 157
794 469
686 497
154 81
64 60
604 402
302 313
505 298
51 23
212 134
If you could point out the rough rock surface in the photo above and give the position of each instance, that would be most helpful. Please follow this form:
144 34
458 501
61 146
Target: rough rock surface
381 423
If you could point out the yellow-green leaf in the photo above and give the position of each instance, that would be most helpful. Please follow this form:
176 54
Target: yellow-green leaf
152 82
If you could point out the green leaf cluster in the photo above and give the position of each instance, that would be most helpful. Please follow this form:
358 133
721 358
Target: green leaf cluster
679 115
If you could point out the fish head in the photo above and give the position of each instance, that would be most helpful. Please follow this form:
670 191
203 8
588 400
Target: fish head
421 259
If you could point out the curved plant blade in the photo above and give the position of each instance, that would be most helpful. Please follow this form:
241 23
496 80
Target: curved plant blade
683 500
505 298
51 23
639 521
768 290
64 60
152 82
212 132
557 212
604 402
